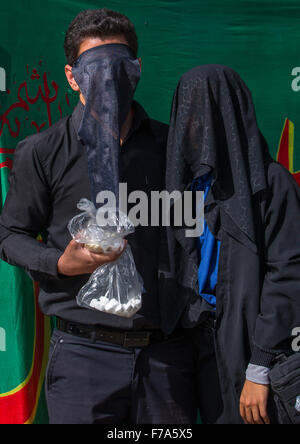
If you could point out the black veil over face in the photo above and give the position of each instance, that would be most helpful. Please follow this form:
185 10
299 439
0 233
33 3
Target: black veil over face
107 76
214 129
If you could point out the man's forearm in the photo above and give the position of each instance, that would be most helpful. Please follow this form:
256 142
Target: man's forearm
38 260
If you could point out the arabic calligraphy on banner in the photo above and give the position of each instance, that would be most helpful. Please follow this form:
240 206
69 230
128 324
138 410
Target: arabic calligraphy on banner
37 95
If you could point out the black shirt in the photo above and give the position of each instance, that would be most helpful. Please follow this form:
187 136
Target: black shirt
49 177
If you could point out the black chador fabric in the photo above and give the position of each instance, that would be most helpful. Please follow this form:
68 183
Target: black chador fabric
213 128
107 76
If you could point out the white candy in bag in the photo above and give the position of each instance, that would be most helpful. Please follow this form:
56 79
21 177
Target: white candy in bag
117 287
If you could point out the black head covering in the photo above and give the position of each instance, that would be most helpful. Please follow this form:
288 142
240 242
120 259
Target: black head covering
107 76
213 129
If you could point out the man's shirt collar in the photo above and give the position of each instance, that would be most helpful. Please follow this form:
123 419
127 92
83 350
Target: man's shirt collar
77 116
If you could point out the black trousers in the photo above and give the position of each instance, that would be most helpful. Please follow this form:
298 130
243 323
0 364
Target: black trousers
209 394
99 383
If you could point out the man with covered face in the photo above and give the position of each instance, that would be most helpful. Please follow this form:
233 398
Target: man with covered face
102 368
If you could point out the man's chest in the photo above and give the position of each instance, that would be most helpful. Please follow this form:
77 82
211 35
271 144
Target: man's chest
141 168
141 165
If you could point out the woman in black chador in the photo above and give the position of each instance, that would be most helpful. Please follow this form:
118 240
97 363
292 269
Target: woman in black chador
237 287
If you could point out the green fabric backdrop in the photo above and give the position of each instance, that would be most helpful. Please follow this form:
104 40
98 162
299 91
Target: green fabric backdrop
258 38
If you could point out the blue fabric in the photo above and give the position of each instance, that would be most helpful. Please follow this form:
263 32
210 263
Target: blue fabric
208 251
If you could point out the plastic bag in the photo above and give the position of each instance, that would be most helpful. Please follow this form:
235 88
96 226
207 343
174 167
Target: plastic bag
114 288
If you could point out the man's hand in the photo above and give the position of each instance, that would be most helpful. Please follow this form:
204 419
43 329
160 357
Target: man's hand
253 403
78 260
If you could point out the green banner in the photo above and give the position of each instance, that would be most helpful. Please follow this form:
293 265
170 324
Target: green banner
258 38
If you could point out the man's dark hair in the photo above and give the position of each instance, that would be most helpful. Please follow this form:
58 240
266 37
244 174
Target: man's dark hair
98 23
